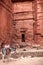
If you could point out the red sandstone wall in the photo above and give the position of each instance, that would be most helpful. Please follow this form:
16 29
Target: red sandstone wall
40 20
29 13
31 10
5 20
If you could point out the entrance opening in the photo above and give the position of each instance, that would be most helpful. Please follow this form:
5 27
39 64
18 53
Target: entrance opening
23 37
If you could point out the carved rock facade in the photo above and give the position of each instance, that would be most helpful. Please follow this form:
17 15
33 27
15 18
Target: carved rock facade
21 22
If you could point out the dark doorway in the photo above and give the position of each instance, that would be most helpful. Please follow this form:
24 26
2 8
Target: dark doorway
23 37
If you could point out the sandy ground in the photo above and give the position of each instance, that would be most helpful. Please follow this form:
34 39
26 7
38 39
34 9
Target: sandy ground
24 61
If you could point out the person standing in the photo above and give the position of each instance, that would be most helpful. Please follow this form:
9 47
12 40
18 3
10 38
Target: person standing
3 51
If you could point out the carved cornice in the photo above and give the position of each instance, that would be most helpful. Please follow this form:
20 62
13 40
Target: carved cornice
23 12
13 1
23 19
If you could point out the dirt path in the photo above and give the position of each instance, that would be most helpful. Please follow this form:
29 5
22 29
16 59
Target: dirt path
24 61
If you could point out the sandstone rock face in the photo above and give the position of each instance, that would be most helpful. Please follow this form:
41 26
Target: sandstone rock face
23 16
28 17
21 22
5 20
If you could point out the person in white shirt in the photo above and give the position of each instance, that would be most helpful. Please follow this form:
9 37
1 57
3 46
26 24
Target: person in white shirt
5 51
